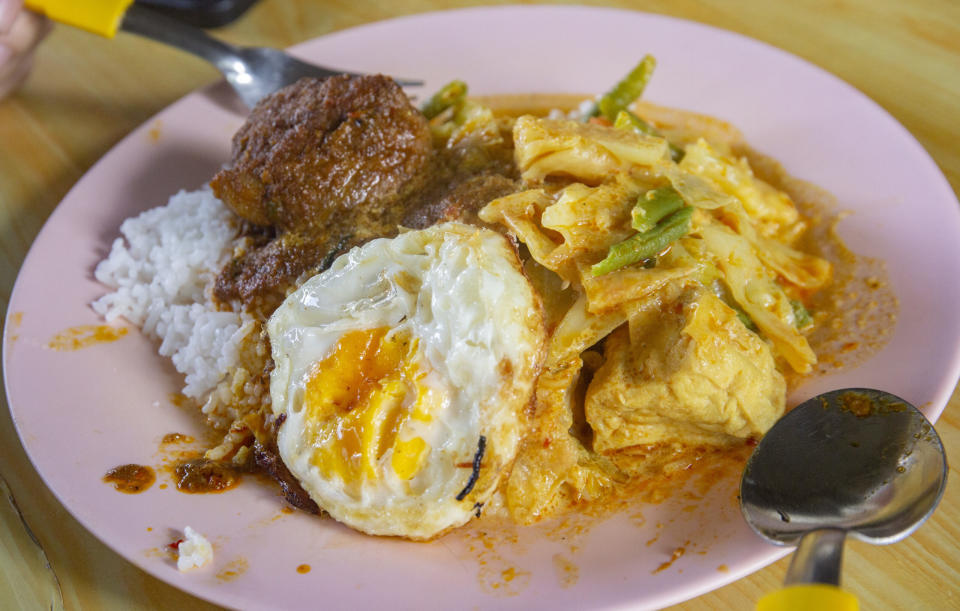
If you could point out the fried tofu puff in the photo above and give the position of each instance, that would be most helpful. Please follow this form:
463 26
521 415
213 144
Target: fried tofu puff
402 373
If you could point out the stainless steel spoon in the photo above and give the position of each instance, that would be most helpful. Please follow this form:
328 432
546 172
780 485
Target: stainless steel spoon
856 462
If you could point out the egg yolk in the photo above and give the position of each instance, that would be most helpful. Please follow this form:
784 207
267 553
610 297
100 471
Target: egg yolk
359 398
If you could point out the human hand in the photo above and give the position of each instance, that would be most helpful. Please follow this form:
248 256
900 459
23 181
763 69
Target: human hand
20 33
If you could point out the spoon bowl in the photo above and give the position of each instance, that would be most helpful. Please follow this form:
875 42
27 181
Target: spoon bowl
855 461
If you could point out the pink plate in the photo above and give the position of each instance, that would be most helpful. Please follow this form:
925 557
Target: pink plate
80 413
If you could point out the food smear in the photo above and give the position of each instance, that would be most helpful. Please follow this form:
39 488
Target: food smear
676 555
202 475
155 131
566 571
83 336
130 479
13 324
233 569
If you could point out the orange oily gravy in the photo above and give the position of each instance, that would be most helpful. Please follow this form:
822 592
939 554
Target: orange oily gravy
678 479
83 336
856 313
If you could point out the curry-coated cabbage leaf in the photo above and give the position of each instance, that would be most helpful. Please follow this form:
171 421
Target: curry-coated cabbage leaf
586 152
769 208
754 289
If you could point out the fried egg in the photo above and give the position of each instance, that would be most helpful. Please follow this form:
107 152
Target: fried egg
402 374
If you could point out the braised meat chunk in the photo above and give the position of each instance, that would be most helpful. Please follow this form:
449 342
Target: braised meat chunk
310 154
322 166
319 166
259 278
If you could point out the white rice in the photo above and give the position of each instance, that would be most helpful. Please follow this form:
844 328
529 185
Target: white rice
575 114
194 551
162 271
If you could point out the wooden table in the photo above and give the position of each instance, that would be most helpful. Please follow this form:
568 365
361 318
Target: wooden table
86 93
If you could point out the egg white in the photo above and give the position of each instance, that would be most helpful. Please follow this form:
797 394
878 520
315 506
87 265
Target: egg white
476 327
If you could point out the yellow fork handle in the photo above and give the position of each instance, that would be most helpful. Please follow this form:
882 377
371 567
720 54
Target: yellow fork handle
101 17
807 597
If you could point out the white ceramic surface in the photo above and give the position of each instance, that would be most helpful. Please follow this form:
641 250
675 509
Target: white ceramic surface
81 413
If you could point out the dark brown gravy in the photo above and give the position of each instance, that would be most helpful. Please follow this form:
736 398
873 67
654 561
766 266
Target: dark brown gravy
201 475
130 479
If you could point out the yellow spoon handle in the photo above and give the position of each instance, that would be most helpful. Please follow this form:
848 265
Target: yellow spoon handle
808 596
98 16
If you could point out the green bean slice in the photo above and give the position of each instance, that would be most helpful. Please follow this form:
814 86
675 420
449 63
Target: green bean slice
628 120
801 316
645 245
653 206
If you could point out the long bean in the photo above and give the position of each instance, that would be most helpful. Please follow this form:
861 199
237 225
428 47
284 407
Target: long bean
653 206
645 245
801 316
449 95
627 90
628 120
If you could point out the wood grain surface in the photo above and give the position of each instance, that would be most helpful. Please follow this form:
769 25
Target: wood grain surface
86 93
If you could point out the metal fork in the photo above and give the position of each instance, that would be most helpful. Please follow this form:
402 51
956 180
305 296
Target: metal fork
253 72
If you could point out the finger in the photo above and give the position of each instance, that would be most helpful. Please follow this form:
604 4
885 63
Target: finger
9 9
27 30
